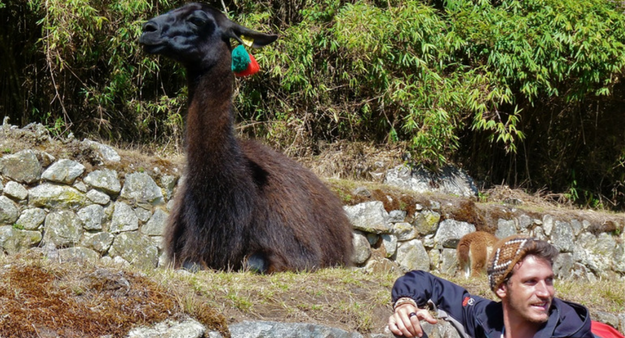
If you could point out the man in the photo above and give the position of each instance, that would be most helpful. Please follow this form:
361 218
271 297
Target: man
521 275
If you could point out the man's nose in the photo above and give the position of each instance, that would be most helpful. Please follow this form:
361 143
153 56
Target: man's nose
542 289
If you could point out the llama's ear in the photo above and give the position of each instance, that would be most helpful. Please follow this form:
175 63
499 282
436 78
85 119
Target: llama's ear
248 36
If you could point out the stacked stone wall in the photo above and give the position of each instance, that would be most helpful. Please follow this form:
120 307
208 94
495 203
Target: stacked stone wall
91 211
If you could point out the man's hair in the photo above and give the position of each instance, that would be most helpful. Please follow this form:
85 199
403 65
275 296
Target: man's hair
511 250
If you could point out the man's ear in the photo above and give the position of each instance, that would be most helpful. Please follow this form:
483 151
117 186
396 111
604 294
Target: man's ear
502 290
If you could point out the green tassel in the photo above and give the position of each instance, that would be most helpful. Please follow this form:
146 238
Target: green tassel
240 59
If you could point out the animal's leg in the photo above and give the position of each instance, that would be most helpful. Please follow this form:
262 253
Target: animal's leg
266 261
257 262
478 261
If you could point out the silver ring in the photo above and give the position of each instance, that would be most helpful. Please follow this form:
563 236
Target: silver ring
412 314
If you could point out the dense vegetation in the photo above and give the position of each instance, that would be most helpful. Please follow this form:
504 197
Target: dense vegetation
526 93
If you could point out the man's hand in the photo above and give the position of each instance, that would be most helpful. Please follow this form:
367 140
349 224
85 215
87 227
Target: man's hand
405 321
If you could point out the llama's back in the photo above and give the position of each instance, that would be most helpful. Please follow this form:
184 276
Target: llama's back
295 203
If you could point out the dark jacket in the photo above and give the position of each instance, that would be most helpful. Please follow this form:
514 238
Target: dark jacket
475 316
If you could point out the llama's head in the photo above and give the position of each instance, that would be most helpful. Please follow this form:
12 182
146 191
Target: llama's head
196 35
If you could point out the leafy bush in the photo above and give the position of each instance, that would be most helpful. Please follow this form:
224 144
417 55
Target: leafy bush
526 93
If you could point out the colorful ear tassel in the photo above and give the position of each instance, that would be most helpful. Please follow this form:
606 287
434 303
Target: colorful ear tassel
243 63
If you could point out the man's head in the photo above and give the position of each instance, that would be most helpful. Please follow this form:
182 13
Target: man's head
520 273
510 251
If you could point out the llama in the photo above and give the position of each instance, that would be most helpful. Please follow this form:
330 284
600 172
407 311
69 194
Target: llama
242 205
474 249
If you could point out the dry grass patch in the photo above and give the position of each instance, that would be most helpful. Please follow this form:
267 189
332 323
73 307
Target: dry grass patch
40 298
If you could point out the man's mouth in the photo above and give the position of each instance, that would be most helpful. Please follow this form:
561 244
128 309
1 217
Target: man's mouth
543 306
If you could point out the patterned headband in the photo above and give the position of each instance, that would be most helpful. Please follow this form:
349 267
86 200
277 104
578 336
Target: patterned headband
507 253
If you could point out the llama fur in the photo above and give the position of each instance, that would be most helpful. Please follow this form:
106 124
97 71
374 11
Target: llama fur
473 252
242 204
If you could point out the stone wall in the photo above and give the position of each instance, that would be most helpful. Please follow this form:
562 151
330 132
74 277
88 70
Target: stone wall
91 211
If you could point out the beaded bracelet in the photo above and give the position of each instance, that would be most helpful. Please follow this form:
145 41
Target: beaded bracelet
402 301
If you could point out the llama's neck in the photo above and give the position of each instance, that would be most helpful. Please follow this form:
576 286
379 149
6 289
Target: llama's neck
211 143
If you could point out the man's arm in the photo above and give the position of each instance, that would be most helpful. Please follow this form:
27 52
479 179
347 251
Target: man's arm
410 295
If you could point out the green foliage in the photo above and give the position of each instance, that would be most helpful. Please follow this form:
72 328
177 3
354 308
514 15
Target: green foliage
520 92
90 75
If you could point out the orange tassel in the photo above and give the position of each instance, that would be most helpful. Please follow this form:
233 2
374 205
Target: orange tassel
251 69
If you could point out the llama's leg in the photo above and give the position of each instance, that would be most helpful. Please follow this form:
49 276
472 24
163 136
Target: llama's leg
479 260
266 261
256 262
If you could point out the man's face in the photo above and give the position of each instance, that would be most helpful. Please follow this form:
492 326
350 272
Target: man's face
529 292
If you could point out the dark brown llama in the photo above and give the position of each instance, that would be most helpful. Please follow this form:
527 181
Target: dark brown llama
242 205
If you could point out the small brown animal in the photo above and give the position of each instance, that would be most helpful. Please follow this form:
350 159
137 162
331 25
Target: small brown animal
473 251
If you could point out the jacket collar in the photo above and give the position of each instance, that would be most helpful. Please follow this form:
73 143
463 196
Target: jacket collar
565 320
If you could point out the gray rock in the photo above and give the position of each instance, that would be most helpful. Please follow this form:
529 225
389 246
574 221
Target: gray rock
593 251
396 216
80 186
450 180
188 328
38 130
411 255
577 227
78 254
91 217
105 180
369 217
505 228
450 231
562 236
442 329
362 249
156 225
23 167
63 171
98 197
389 243
268 329
135 248
426 222
168 183
449 262
435 259
62 228
141 188
606 318
31 219
14 240
55 196
404 231
142 214
15 191
524 222
99 241
563 265
124 219
158 241
377 264
105 153
548 224
619 257
8 211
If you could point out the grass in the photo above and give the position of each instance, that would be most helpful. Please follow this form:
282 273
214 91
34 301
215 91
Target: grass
39 297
